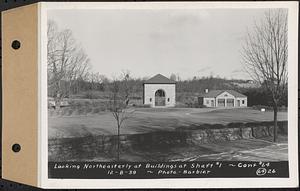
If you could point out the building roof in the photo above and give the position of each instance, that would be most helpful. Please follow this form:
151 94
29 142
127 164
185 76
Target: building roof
159 79
215 93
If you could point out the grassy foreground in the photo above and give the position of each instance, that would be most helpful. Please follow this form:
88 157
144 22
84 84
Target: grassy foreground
146 120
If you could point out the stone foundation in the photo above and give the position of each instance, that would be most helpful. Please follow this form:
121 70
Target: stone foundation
68 149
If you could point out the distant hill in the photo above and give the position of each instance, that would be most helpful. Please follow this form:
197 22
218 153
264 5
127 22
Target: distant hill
211 83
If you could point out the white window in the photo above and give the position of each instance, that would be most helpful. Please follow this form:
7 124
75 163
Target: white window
150 99
243 101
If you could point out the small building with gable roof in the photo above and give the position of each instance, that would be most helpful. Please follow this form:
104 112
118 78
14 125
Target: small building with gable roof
159 91
222 98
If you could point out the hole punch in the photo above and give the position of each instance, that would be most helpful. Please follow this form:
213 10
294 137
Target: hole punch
16 147
16 44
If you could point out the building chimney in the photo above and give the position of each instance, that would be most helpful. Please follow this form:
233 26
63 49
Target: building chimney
206 91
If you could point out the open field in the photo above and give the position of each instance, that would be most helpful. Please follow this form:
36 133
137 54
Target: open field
146 120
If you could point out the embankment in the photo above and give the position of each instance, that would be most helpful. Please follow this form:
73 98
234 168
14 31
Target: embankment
83 148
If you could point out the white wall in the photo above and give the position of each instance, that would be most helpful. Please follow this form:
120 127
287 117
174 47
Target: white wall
222 96
207 102
241 101
150 89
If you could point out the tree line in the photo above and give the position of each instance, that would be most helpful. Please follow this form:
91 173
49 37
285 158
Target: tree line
69 74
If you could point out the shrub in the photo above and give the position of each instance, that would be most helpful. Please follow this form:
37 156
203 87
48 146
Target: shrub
203 106
141 105
259 107
180 105
81 111
89 110
96 110
269 108
91 95
63 111
71 102
70 112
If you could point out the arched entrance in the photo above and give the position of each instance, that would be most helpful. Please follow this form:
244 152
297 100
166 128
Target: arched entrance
160 98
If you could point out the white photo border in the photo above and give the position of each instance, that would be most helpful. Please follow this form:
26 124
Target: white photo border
292 181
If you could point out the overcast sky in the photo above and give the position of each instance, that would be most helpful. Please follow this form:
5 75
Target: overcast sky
146 42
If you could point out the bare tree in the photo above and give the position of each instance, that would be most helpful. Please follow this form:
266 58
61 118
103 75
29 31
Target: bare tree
178 78
173 77
67 62
265 54
119 103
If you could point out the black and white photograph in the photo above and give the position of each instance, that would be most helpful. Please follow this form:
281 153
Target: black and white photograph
164 87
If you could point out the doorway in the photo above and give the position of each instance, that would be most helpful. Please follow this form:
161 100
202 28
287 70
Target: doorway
238 103
221 102
160 98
